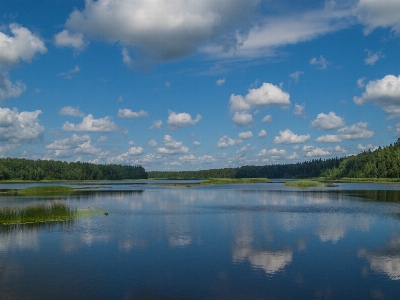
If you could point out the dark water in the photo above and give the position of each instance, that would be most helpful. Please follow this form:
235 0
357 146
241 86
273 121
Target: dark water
253 241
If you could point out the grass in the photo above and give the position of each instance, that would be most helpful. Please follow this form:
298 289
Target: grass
382 180
234 180
41 191
304 183
37 213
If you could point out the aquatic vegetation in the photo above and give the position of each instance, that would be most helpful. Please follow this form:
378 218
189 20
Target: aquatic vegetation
37 213
41 191
304 183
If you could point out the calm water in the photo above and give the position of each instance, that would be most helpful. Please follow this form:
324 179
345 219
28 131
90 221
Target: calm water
254 241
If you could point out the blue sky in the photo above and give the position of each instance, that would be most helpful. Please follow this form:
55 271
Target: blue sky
188 85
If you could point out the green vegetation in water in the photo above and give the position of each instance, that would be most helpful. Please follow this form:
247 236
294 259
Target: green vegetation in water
41 191
375 180
234 180
304 183
37 213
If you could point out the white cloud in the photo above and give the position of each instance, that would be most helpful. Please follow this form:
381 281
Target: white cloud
262 133
299 109
68 39
90 124
73 145
226 141
273 152
245 135
288 137
172 146
129 114
242 118
9 89
103 139
70 73
18 128
293 156
159 30
360 82
267 119
71 111
355 132
296 75
373 14
367 147
328 138
176 120
156 124
320 63
152 143
373 57
191 159
315 152
220 81
196 143
23 46
385 93
128 157
327 122
264 96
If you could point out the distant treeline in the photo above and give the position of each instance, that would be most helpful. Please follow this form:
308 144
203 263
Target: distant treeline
25 169
381 163
202 174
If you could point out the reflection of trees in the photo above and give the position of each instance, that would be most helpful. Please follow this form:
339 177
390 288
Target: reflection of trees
386 260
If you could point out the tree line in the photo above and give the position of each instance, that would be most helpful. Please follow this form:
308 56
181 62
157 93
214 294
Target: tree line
26 169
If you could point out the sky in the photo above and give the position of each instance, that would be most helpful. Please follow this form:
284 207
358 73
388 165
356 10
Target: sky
193 85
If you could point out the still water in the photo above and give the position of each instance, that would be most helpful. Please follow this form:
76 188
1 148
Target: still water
250 241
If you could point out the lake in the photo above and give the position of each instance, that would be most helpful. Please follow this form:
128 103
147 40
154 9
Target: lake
242 241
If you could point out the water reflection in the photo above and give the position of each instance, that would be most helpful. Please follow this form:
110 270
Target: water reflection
386 260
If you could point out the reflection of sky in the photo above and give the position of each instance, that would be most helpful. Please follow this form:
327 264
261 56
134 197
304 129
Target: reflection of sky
385 260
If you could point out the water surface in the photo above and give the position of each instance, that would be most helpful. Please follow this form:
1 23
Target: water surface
242 241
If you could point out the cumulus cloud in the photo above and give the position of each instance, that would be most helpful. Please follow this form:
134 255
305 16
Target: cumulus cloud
328 138
18 128
262 133
126 157
274 153
176 120
267 119
9 89
129 114
152 143
226 141
360 82
373 57
242 118
315 151
288 137
191 159
245 135
73 145
320 62
327 122
196 143
299 109
22 46
293 156
159 30
384 93
67 39
90 124
71 111
156 124
355 132
172 146
367 147
373 14
264 96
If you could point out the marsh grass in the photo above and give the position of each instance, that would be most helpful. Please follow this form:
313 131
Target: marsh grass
304 183
41 191
37 213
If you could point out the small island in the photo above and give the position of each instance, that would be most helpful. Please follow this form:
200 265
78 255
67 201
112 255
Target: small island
304 183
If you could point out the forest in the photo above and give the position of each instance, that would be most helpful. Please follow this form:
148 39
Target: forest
26 169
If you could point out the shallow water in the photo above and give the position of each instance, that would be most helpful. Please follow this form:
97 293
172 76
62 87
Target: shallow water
245 241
